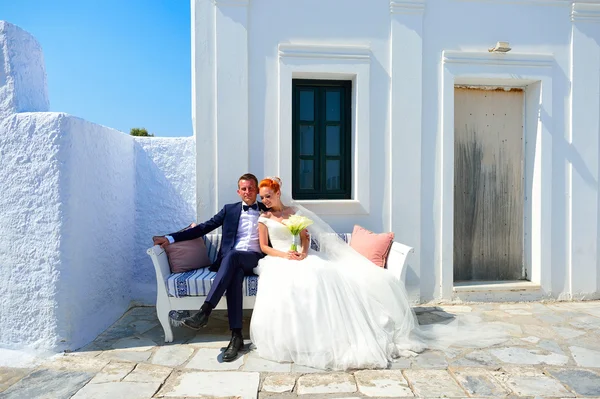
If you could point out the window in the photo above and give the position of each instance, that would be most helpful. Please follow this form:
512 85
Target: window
321 139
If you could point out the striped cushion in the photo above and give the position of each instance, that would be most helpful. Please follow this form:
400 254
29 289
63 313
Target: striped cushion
198 282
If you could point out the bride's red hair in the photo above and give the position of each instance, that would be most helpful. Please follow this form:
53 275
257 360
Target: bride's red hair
272 183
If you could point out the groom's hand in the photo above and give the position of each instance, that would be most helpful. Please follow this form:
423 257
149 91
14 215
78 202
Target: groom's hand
162 241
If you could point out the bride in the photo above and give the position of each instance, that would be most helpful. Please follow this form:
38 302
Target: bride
333 309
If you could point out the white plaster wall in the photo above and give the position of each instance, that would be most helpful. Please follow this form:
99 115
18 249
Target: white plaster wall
79 205
23 85
30 221
97 187
67 257
407 185
165 201
533 29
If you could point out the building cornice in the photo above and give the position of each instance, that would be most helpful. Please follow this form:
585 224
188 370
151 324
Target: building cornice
560 3
407 6
349 52
585 12
232 3
495 59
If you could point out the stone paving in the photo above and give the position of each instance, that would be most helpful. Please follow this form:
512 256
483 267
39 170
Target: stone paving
553 351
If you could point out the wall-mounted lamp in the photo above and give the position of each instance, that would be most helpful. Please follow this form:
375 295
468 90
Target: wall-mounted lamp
500 47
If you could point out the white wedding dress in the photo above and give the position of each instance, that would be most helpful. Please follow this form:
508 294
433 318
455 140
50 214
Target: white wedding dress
338 311
328 314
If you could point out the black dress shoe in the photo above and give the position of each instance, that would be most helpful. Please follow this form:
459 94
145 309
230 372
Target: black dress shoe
197 321
231 353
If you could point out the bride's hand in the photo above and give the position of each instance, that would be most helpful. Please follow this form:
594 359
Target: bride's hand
294 255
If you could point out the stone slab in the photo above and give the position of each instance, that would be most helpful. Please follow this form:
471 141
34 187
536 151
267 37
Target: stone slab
401 363
211 383
430 359
585 357
212 359
382 383
149 373
279 383
550 346
299 369
141 326
75 363
582 382
513 355
90 350
113 372
550 318
48 384
529 381
257 363
531 339
9 376
540 331
518 312
434 383
134 344
126 356
513 306
112 390
210 340
568 333
172 356
508 328
456 309
479 382
477 358
326 384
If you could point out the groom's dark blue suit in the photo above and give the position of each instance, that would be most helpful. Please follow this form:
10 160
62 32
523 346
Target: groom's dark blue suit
231 265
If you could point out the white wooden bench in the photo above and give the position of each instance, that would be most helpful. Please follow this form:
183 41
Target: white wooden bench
187 291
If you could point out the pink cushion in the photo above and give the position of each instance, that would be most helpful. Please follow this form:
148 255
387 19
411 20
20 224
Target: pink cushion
187 255
374 247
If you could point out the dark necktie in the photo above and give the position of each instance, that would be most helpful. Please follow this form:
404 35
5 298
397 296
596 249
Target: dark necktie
246 207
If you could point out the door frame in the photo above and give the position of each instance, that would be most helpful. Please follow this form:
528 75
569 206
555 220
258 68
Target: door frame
533 73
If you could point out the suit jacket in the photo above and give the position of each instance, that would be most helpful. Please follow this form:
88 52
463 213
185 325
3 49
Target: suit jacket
229 219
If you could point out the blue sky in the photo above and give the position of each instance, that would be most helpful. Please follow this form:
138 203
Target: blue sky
119 63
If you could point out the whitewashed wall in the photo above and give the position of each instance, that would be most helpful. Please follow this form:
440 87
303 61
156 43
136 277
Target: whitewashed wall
404 58
79 205
165 201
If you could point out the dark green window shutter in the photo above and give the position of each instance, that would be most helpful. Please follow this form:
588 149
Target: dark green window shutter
321 139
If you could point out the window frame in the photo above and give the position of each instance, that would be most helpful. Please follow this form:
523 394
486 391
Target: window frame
320 123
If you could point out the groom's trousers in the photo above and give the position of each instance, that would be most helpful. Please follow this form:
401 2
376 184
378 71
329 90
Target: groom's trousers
230 277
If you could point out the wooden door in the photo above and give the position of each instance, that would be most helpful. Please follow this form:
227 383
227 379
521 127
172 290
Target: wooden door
488 184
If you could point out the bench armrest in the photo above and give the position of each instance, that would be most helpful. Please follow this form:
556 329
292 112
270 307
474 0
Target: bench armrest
161 266
396 261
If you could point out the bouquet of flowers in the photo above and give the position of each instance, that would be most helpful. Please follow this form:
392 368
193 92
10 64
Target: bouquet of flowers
295 225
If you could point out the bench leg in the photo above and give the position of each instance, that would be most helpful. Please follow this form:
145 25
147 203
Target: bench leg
162 311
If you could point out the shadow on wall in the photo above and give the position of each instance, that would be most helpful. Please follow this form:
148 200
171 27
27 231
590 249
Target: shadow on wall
165 201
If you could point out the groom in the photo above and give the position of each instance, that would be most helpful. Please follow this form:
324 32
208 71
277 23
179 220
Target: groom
238 256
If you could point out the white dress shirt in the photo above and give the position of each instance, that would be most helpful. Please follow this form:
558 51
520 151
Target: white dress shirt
247 233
